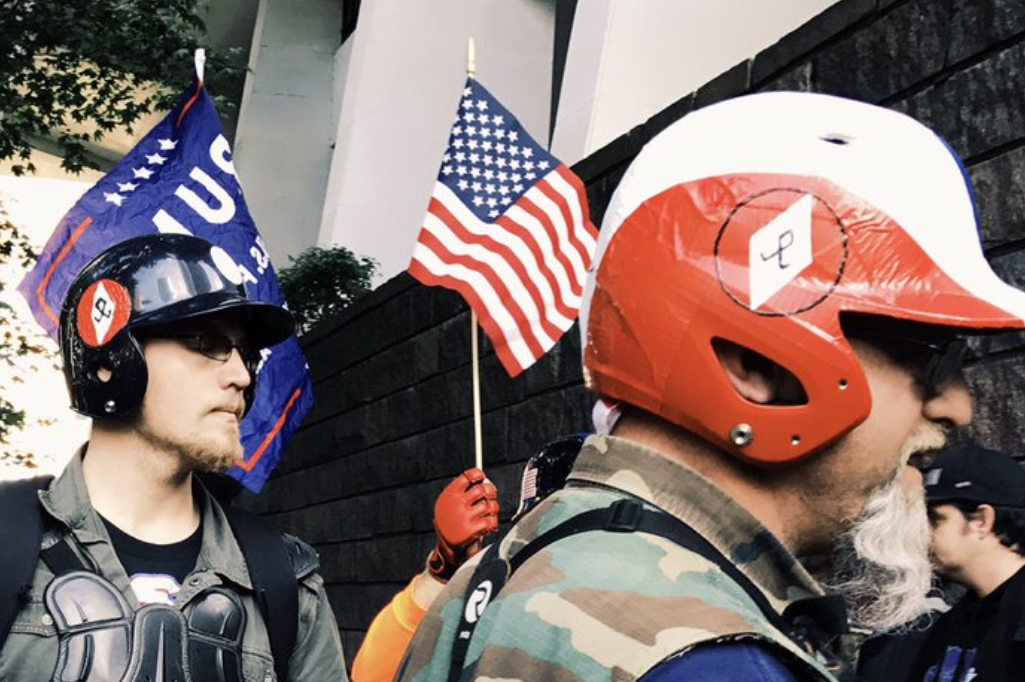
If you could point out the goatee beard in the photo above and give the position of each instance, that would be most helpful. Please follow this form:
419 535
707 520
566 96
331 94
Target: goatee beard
881 564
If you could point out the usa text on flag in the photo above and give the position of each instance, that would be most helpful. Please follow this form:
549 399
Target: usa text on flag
508 228
180 178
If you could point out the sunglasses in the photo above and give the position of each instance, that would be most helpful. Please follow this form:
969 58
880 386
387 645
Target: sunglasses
934 355
214 346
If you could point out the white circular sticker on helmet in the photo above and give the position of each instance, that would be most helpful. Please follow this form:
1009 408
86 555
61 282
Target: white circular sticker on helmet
226 265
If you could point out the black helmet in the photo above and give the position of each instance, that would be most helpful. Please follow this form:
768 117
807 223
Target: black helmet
547 470
144 282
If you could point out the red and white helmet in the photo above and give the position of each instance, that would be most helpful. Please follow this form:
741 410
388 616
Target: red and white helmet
759 221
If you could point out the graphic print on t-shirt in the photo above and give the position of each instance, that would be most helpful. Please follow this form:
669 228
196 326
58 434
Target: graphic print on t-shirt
956 666
155 588
156 572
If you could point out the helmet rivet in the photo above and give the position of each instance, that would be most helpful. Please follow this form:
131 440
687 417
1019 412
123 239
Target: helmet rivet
843 384
795 439
742 434
109 406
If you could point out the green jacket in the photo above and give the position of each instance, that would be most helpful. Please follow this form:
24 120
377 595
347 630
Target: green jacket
30 651
574 612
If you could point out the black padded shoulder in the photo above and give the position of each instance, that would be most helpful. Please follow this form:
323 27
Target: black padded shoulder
305 559
21 528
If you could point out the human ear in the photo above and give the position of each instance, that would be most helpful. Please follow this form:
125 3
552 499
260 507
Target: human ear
983 518
757 378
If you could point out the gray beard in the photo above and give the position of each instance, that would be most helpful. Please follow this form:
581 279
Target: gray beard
881 564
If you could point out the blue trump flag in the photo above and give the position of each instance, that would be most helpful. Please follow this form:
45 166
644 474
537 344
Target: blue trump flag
180 179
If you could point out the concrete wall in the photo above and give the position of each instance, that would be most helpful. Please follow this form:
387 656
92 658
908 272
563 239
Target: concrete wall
629 59
405 72
391 422
283 139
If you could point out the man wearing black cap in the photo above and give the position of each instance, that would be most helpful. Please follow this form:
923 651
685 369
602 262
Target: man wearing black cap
976 502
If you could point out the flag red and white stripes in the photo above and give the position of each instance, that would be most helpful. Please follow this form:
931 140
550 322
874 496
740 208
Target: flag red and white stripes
507 227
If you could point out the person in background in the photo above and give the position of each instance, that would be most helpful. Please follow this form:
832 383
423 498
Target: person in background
976 502
465 514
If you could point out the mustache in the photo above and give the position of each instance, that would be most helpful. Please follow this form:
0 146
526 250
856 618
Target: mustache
929 438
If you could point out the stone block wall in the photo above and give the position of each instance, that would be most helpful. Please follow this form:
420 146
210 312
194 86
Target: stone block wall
392 419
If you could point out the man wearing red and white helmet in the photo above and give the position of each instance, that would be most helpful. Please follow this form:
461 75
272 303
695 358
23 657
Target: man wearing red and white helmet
777 307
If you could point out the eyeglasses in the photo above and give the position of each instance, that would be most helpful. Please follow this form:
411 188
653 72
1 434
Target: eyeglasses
214 346
934 362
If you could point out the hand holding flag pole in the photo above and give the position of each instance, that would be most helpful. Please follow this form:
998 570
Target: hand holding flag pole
508 227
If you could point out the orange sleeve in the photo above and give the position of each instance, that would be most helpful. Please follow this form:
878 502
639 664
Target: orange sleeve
387 638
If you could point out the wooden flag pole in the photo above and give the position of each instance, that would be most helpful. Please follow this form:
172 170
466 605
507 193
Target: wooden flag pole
478 441
478 447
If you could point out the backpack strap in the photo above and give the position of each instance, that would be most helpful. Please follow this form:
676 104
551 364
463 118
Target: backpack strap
21 529
803 620
274 581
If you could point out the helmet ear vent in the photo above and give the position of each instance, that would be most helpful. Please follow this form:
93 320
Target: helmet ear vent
838 139
101 372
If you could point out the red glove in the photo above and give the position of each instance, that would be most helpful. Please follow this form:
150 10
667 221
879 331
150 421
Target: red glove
466 511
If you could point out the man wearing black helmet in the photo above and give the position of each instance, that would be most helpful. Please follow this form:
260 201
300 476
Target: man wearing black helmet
142 574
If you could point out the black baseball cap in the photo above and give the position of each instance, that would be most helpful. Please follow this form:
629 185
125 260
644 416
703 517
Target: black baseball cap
973 473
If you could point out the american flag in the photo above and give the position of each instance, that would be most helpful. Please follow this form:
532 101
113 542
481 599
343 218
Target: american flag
507 227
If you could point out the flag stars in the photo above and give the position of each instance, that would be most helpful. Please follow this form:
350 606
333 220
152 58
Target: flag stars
469 118
459 157
472 144
486 145
498 119
485 132
467 91
513 136
467 104
167 145
462 170
144 173
113 198
477 187
126 186
155 159
543 165
478 201
470 131
447 170
482 105
490 189
463 185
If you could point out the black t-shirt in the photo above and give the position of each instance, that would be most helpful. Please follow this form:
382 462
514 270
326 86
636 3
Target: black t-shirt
978 639
155 571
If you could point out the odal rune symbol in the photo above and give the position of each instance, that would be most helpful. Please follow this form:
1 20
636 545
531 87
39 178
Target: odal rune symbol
103 310
784 242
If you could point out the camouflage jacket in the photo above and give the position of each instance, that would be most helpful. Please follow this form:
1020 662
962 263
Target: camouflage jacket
603 607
